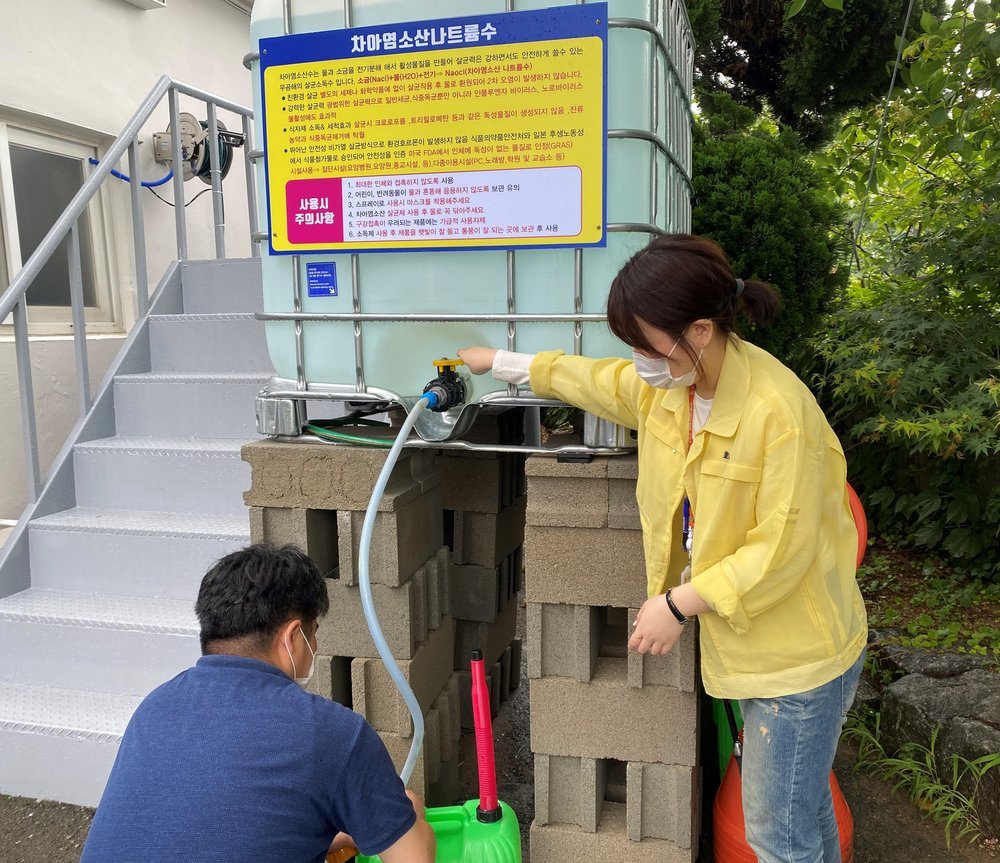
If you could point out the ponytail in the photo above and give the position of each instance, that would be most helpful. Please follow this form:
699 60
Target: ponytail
758 302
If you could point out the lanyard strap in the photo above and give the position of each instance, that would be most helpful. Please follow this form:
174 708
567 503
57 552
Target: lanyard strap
688 529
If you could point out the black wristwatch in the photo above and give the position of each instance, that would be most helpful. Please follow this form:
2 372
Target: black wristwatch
674 610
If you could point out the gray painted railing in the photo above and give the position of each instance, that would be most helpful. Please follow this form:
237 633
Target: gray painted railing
14 299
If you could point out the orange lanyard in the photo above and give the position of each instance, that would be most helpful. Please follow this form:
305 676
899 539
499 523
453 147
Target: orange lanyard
688 529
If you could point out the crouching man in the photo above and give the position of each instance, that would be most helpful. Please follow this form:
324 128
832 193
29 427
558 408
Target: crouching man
233 761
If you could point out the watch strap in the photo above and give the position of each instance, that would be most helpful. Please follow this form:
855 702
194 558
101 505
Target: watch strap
674 610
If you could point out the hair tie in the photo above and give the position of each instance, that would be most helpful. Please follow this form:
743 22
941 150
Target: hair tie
739 289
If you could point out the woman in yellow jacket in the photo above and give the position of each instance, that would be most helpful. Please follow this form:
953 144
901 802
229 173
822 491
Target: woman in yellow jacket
745 518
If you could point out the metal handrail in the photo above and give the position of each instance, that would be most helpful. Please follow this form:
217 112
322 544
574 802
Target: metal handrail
13 300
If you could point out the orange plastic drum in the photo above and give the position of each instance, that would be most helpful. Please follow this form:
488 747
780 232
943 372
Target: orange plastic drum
860 521
729 840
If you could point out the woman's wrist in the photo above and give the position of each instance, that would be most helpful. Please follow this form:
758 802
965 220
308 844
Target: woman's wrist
686 600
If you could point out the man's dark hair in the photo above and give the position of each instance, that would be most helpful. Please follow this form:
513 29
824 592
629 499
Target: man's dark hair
250 593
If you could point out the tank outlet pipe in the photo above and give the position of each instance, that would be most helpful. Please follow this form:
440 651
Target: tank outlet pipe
488 811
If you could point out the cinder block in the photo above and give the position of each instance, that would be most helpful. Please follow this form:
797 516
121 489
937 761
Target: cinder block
607 718
567 501
454 698
584 566
445 706
402 540
444 569
515 664
332 679
517 570
550 466
623 467
399 748
473 482
432 743
505 660
678 668
498 425
421 622
520 477
569 790
312 530
557 789
485 539
491 638
447 791
345 632
438 579
495 677
480 593
662 803
376 697
623 508
563 640
317 476
557 843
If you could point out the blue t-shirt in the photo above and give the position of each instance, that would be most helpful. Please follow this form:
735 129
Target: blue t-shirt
232 761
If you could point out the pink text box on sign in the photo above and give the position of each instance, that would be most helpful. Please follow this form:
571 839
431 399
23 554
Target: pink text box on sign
315 211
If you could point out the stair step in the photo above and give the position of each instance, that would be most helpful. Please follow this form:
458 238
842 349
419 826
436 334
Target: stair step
58 743
187 405
203 475
222 286
124 644
97 716
100 611
131 552
208 343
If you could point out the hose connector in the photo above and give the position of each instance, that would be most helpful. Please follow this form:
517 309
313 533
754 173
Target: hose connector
448 387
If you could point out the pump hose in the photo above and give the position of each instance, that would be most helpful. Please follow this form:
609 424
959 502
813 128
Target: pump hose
347 437
364 581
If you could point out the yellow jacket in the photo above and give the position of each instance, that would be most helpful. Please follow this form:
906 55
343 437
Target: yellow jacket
774 542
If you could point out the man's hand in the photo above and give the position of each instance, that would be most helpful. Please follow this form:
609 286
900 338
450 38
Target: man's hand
342 848
479 360
656 629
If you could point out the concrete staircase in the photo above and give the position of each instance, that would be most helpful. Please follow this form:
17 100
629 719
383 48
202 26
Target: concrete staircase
142 503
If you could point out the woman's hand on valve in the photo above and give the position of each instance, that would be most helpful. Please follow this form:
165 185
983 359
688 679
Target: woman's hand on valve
656 630
479 360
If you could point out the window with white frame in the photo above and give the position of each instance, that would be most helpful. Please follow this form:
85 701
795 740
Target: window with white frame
40 172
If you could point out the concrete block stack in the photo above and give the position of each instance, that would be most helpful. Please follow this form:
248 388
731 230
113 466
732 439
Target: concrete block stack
315 496
484 505
614 734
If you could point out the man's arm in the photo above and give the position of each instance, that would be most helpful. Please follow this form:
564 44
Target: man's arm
416 845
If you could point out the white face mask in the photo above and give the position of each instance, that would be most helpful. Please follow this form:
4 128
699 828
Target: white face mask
302 681
656 372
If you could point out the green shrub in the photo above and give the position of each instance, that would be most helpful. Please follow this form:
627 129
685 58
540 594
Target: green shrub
914 393
757 194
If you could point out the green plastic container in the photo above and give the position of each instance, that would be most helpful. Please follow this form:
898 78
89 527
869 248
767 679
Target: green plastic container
462 838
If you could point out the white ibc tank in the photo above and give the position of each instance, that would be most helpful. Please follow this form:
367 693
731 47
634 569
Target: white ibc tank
649 75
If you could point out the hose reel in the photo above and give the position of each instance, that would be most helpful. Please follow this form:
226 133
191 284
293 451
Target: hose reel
196 153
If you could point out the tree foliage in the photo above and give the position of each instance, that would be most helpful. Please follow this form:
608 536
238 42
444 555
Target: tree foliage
911 366
808 68
758 195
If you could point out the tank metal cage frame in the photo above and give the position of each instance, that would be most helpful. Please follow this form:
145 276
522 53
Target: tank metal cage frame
281 410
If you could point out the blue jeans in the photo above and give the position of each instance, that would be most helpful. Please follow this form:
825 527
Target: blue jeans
788 750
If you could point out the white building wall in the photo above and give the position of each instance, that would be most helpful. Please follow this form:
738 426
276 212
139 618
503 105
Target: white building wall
82 67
